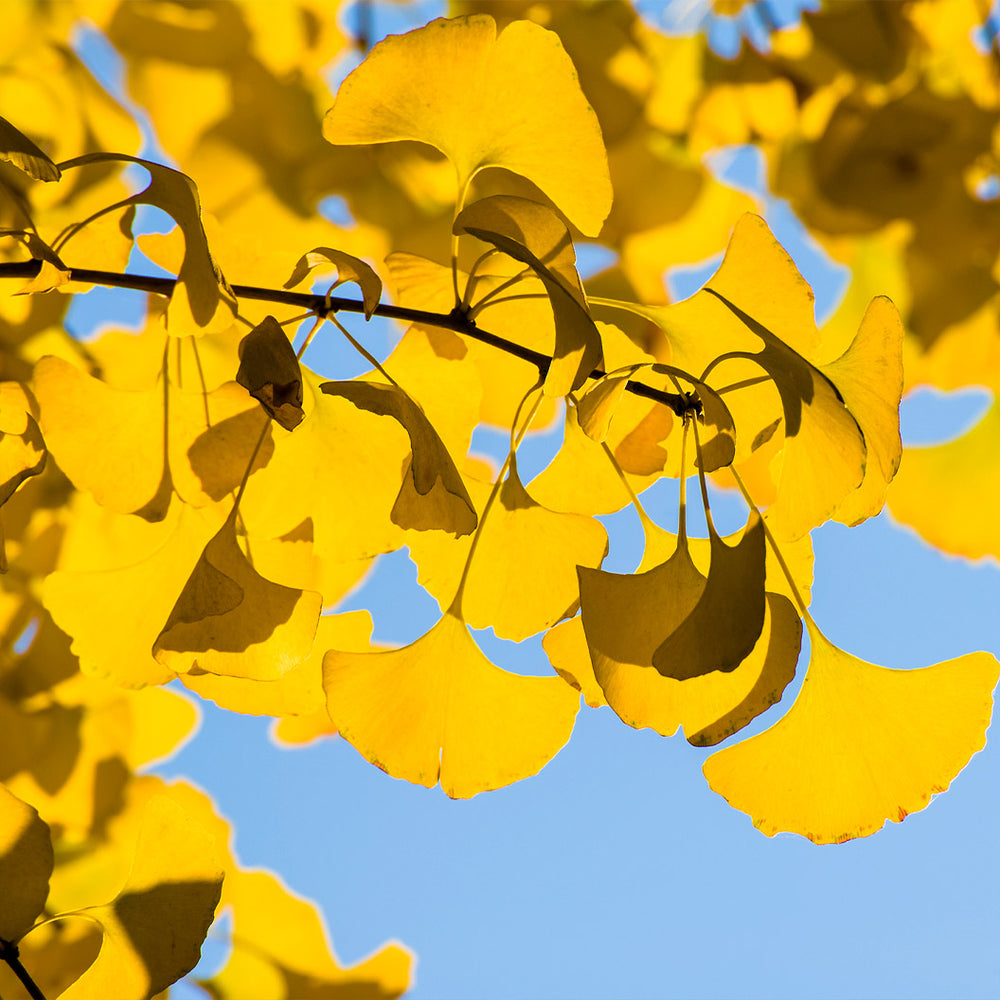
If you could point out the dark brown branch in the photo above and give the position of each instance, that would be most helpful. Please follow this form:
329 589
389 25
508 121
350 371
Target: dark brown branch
10 954
456 320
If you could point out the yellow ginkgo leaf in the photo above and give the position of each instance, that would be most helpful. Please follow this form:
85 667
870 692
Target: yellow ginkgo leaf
281 951
862 744
433 495
719 632
565 645
341 468
22 450
229 620
957 477
523 574
17 148
299 691
26 862
510 100
438 710
533 234
869 376
348 269
269 371
202 301
154 928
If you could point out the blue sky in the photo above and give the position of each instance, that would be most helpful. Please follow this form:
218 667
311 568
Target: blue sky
616 872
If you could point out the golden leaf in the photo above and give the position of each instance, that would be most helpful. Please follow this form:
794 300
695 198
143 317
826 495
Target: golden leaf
26 862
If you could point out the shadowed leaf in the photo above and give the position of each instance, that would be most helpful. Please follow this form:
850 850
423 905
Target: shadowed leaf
26 862
269 371
348 269
17 148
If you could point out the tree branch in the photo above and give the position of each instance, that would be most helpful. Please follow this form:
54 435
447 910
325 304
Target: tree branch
10 954
456 320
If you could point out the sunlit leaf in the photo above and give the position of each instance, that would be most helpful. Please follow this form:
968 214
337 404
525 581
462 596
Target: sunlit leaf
348 269
281 951
154 927
862 744
229 620
523 573
22 450
438 710
533 234
433 495
510 100
26 862
17 148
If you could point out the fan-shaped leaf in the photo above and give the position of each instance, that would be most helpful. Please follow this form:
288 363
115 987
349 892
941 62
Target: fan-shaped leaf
26 862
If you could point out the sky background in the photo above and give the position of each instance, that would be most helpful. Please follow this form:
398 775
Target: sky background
617 872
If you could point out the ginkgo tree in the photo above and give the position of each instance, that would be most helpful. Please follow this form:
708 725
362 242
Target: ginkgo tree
191 502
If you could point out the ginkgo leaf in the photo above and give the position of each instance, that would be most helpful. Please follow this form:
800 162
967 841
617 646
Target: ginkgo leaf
348 269
22 450
153 929
719 632
26 862
281 951
869 376
510 100
433 495
956 475
862 744
533 234
341 469
523 573
229 620
438 710
17 148
299 691
202 301
269 371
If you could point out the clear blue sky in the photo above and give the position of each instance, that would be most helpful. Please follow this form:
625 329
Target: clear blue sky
616 872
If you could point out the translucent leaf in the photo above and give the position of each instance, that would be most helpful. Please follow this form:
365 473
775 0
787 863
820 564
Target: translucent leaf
22 450
281 951
201 302
17 148
510 100
523 573
26 862
341 469
533 234
438 710
229 620
724 626
869 376
154 928
299 691
269 371
348 269
433 495
956 475
862 744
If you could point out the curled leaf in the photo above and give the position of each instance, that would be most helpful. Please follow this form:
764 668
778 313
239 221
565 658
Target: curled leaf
348 269
533 234
17 148
433 494
269 371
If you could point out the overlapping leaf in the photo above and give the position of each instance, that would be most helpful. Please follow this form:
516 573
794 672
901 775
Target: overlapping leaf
26 862
510 100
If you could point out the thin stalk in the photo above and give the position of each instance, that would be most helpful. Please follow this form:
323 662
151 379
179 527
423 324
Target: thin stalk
9 953
490 295
367 355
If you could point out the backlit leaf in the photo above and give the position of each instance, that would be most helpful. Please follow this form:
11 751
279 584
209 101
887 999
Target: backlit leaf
348 269
438 710
862 744
154 927
229 620
26 862
510 100
17 148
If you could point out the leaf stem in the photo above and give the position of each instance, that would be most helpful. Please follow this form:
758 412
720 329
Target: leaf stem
321 305
10 954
